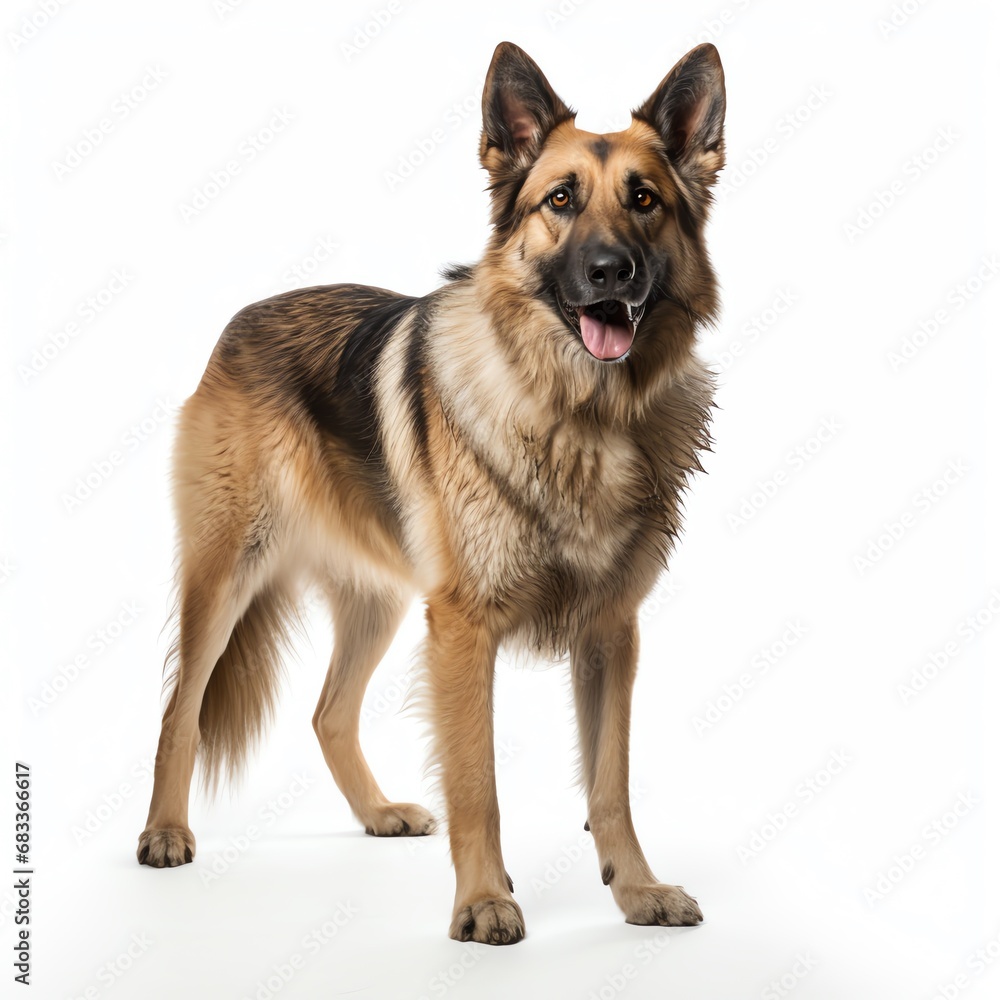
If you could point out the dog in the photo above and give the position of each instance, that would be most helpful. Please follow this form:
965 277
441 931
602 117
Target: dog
512 446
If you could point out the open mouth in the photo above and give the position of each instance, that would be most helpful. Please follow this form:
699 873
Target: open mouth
606 328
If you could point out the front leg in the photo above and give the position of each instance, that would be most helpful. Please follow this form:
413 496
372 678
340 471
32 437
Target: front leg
461 658
603 664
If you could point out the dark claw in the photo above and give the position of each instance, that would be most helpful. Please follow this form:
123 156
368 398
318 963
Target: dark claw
144 855
510 882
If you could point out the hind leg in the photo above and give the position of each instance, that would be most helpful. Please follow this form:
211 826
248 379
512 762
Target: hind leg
211 604
364 624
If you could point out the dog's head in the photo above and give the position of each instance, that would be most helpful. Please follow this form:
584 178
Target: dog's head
608 228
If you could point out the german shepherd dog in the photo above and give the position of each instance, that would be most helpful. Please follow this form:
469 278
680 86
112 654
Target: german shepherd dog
512 447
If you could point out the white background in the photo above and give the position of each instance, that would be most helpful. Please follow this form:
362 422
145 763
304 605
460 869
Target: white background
812 411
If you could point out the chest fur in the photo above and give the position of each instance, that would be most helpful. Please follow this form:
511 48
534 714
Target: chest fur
568 503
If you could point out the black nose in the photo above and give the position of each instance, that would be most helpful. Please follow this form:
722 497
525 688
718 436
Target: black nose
610 269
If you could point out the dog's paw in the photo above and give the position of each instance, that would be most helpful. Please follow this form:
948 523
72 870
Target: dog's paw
668 905
399 819
166 848
489 921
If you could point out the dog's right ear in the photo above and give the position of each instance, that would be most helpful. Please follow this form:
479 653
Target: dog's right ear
519 110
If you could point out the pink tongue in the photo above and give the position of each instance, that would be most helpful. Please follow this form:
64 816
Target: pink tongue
605 340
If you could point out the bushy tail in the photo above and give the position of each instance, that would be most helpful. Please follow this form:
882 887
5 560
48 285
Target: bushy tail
243 690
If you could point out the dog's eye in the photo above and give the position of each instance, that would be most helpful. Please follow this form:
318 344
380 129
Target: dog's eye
643 199
560 198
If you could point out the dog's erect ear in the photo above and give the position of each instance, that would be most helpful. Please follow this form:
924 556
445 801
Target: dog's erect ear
688 109
519 109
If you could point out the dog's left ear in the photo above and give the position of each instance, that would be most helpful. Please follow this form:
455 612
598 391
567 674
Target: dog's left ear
688 109
519 110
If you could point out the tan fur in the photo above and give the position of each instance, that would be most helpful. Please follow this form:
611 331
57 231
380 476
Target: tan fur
465 447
